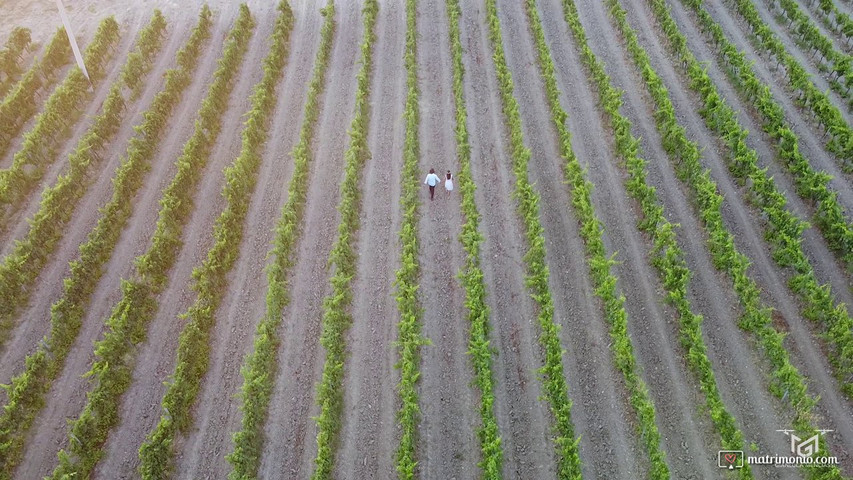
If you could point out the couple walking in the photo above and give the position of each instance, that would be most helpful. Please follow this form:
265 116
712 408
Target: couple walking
432 180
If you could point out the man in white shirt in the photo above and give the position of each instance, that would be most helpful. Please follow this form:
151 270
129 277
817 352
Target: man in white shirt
432 180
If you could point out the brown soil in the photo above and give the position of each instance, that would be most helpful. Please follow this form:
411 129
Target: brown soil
202 454
140 408
369 436
448 446
290 445
68 393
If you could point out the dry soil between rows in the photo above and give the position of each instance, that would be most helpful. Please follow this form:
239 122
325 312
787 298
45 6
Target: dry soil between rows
448 445
290 445
140 408
202 452
369 433
68 394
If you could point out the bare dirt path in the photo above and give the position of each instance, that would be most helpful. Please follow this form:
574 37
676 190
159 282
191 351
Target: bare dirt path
823 260
801 342
68 394
448 446
48 288
202 454
140 406
368 430
738 31
290 431
29 204
684 449
524 420
684 432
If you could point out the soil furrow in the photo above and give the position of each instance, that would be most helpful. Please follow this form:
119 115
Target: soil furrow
737 366
523 418
368 433
822 259
29 204
811 137
7 157
649 321
202 454
448 444
737 29
811 141
801 343
140 406
809 9
290 433
49 286
68 393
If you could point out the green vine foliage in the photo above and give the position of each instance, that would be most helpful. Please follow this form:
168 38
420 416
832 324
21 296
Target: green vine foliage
554 382
834 19
784 231
127 325
11 57
674 273
471 274
811 185
408 275
27 389
19 105
342 258
667 257
53 124
157 453
260 366
840 137
787 382
800 26
22 265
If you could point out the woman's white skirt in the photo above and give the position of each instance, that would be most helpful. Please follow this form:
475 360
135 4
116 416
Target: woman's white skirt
448 184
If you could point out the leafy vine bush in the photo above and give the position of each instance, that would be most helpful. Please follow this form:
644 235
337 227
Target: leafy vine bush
668 257
336 318
27 389
52 125
836 20
471 274
11 57
409 338
260 366
783 230
127 325
801 26
157 453
554 381
22 265
139 60
675 274
786 382
840 137
19 105
811 185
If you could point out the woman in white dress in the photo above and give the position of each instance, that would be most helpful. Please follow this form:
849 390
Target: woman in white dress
448 182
